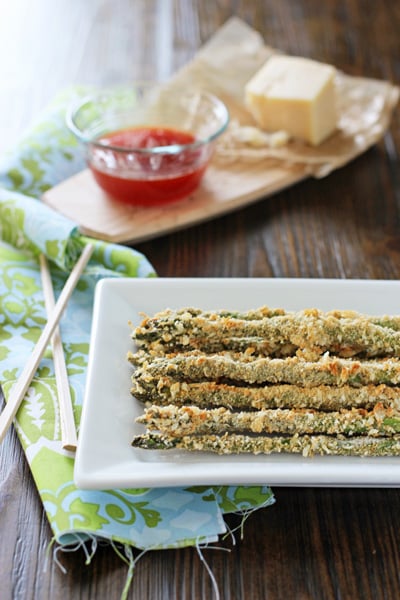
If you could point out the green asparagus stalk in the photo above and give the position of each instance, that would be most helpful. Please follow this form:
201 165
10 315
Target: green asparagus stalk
293 370
388 321
307 445
307 329
167 315
180 421
166 390
263 312
256 345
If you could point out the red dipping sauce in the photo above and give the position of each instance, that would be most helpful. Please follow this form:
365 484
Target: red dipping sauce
127 166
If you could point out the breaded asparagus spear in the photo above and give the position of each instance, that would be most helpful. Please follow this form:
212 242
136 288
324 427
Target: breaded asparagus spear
263 312
186 420
308 329
307 445
255 345
294 370
389 321
166 390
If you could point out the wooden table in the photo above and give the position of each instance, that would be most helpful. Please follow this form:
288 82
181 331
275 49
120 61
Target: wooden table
313 543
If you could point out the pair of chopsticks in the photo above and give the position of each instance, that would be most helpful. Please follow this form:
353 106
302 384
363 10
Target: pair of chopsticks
55 311
68 429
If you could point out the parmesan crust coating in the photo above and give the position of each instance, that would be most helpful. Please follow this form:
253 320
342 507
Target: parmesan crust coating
307 445
187 420
263 312
294 370
167 390
312 330
268 381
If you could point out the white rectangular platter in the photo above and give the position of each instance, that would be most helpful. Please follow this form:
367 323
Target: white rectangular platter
105 458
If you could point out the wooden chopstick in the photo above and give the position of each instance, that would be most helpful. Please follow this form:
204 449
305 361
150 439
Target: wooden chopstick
69 436
20 387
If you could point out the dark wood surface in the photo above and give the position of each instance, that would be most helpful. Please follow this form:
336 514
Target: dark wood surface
313 544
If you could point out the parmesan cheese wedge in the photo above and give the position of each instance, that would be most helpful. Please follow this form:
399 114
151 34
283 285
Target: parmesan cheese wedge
296 95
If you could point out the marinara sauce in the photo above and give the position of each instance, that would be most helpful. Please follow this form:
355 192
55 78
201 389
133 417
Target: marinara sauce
148 178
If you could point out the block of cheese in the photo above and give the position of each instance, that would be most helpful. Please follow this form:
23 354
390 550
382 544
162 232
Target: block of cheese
296 95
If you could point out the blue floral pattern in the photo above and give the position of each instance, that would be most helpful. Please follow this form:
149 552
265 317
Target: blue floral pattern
144 518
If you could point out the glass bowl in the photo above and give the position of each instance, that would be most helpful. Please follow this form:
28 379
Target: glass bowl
147 145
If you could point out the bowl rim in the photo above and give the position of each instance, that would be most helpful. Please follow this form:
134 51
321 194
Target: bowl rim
78 104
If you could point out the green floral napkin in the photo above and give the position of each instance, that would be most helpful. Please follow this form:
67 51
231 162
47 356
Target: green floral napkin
143 518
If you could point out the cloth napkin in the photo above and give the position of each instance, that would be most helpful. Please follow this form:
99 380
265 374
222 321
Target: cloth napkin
143 518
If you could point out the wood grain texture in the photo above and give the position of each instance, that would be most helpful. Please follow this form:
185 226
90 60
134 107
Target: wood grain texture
313 543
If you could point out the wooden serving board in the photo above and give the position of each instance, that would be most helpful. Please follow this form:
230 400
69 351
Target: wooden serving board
224 189
223 66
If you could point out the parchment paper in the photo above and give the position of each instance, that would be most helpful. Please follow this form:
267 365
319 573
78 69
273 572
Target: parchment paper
230 58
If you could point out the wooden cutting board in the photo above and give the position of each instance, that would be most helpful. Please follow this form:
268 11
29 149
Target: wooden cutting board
224 189
222 66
